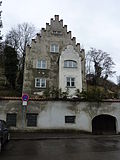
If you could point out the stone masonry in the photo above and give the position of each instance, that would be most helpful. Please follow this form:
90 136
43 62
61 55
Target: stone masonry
54 33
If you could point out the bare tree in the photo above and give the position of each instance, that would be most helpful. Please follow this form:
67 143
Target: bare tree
12 39
26 32
102 62
18 38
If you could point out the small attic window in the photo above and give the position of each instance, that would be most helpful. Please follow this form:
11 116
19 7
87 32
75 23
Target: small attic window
57 32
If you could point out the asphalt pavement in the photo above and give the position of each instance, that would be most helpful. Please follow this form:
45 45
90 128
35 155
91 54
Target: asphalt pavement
87 147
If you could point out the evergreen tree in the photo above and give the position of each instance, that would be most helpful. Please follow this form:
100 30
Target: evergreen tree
11 65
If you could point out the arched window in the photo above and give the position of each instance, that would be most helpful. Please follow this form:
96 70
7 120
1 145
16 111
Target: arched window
70 64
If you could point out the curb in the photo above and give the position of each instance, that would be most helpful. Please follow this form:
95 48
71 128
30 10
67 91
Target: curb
63 137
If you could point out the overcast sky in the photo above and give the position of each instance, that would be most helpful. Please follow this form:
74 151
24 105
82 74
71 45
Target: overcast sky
94 23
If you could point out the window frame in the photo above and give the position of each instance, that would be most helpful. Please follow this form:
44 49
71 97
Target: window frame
40 63
70 81
54 48
40 79
70 119
30 117
67 64
11 121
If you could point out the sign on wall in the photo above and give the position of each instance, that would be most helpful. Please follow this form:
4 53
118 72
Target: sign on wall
25 99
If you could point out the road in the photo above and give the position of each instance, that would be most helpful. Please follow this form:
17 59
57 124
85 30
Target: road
85 148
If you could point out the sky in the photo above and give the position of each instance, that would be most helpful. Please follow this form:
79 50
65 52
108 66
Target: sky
94 23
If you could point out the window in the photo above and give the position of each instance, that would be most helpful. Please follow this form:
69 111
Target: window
11 119
31 119
40 82
70 64
57 32
54 48
41 64
70 119
70 82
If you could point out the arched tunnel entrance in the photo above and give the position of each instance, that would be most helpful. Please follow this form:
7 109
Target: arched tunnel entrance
104 124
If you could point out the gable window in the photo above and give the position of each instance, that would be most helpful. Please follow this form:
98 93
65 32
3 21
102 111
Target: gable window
40 82
42 64
54 48
70 64
57 32
70 82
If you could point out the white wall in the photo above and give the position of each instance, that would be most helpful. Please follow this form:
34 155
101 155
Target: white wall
51 114
70 54
53 117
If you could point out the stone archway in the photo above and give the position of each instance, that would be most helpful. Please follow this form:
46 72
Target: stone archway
104 124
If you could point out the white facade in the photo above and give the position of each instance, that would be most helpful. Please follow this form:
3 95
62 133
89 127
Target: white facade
69 54
52 114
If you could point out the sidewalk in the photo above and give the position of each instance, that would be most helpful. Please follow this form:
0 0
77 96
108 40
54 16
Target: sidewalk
53 135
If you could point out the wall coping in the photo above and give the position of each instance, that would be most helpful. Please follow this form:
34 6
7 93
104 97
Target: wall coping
60 99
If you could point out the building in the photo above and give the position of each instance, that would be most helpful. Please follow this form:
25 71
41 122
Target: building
54 62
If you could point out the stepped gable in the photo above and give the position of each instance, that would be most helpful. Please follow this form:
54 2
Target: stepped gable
57 29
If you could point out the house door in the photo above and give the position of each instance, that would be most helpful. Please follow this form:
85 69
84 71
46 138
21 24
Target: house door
104 124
